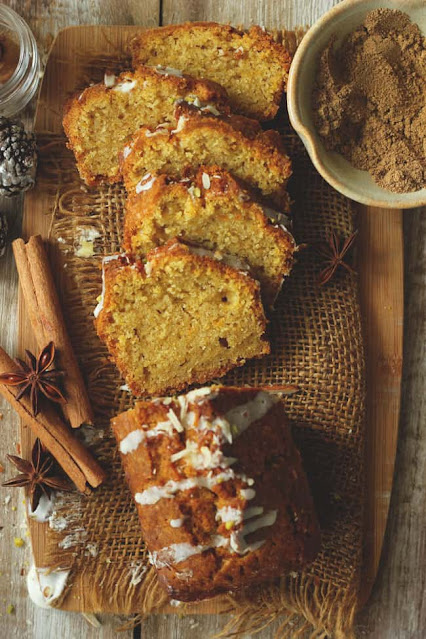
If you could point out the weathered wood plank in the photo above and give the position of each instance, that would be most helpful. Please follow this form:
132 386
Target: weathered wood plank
397 608
282 14
28 621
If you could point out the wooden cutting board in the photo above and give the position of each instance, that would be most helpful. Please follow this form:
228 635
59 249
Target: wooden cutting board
381 290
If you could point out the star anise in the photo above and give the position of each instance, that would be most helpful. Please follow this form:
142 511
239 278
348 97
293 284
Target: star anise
35 377
39 474
333 252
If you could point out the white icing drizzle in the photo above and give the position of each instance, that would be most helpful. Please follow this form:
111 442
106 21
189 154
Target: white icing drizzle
203 458
177 553
137 571
268 519
211 108
241 547
200 395
127 151
125 86
234 422
227 513
132 441
180 124
242 416
44 509
45 587
254 511
248 493
218 424
162 428
195 101
168 71
207 458
237 539
161 129
280 219
145 183
153 494
109 80
229 260
100 304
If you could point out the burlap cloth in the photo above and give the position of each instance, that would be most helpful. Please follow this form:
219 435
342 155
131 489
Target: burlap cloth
316 343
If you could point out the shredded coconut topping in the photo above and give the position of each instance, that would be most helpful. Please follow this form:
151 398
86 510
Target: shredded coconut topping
205 180
109 80
124 87
175 421
145 183
168 71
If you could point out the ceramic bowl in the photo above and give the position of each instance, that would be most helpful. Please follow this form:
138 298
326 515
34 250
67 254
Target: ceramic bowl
339 21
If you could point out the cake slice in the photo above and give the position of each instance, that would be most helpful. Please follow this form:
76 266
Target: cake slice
215 212
220 490
180 318
250 65
99 121
235 143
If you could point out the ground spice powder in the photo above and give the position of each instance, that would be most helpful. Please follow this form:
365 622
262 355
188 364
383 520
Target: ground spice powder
369 100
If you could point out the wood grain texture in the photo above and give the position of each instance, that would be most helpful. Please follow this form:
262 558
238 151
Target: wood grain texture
397 608
28 621
380 257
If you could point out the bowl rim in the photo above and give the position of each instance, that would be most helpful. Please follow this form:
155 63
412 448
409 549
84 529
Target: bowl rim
307 135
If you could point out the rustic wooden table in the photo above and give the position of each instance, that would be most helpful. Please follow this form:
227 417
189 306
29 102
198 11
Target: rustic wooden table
397 608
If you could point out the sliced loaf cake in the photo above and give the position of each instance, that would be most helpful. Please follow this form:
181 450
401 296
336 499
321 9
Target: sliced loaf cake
215 212
235 143
100 120
220 489
180 318
250 65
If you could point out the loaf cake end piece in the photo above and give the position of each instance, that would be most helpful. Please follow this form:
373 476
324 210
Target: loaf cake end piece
221 493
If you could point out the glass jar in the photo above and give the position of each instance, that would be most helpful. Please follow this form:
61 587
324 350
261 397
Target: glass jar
18 89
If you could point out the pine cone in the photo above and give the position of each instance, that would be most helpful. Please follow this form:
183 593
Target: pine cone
18 158
3 234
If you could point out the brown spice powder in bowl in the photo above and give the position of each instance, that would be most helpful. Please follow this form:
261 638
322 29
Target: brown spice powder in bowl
369 100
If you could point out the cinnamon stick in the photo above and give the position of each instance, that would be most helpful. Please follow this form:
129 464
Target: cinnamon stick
77 462
48 323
